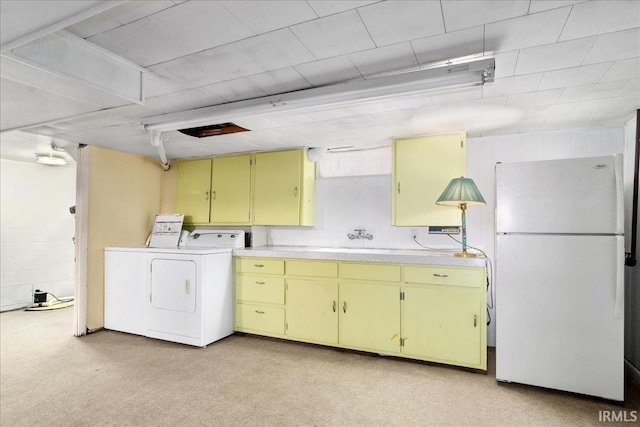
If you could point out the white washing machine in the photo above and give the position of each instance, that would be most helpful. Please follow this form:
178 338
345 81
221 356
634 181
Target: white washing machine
182 295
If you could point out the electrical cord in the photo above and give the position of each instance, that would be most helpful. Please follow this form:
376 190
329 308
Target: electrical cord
489 264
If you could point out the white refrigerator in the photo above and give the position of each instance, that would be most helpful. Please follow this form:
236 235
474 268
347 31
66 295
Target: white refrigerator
559 275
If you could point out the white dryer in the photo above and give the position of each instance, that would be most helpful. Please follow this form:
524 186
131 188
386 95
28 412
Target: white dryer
188 292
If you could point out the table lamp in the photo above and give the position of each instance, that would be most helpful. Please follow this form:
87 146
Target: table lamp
462 192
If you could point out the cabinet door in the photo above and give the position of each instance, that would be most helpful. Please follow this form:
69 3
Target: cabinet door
312 310
231 189
276 198
192 190
443 323
422 168
370 316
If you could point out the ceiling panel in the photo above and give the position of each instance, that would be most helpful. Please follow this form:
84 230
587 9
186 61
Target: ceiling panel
280 81
594 91
277 49
576 76
334 35
613 46
450 45
553 56
459 14
384 59
526 31
512 85
262 17
623 69
328 71
331 7
594 17
542 5
399 21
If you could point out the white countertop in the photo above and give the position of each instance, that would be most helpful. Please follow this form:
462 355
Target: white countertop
404 256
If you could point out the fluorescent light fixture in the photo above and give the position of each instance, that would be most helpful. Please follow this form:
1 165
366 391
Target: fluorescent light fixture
452 75
50 160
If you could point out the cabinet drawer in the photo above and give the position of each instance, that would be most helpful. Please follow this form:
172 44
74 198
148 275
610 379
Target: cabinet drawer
440 275
267 289
367 271
259 265
312 268
260 318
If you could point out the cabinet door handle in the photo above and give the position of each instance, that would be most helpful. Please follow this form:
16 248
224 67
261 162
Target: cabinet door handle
334 306
259 283
206 195
187 286
440 275
259 311
295 191
475 320
213 195
344 306
258 265
398 188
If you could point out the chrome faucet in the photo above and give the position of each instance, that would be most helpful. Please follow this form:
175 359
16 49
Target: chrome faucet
361 234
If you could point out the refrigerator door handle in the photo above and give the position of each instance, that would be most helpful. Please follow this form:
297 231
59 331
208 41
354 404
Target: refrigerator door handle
618 166
619 298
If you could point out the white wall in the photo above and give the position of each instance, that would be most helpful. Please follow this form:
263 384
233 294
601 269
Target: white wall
36 231
343 204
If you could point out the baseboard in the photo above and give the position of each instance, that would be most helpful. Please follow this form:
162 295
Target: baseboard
632 372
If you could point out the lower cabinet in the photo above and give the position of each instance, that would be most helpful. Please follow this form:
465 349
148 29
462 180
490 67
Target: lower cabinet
312 310
370 316
433 313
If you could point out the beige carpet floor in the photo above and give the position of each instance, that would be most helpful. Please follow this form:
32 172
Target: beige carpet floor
48 377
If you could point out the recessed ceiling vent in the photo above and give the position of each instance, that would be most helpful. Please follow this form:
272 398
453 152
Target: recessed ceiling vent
213 130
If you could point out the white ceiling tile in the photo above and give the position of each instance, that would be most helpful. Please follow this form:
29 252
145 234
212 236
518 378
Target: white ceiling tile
614 46
512 85
408 102
459 14
329 71
617 104
623 69
144 42
204 24
155 85
235 90
264 16
331 7
553 56
207 67
179 101
457 95
576 76
399 21
277 49
596 17
506 63
94 25
632 87
525 31
384 59
130 11
594 91
450 45
542 5
280 81
532 99
334 35
555 110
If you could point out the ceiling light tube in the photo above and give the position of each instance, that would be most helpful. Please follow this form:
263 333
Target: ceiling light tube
424 81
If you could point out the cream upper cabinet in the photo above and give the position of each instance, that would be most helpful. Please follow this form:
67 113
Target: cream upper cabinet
231 190
284 188
193 190
422 168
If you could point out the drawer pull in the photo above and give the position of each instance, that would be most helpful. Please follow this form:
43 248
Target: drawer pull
260 283
344 306
258 265
440 275
259 311
187 286
475 320
334 306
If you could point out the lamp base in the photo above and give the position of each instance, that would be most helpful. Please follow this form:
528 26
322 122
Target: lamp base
465 254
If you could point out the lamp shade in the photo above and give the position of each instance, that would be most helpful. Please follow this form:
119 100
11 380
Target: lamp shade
461 190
